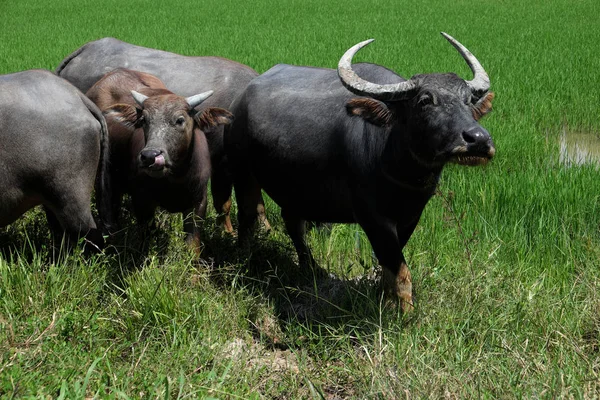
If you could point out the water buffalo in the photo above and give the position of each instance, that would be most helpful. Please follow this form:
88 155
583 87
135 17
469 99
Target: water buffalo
159 153
53 143
183 75
325 155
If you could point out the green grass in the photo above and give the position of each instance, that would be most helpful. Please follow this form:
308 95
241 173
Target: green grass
505 260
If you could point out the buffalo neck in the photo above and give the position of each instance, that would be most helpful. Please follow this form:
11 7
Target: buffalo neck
401 167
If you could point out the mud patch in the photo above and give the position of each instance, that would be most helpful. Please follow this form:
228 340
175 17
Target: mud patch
579 148
254 355
279 368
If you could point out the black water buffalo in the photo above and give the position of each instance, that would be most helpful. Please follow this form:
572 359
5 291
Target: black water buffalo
324 155
53 141
183 75
159 153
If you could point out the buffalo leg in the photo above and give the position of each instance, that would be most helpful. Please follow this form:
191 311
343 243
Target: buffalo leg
396 280
221 186
403 279
116 201
192 220
191 226
142 209
74 219
296 228
262 216
397 283
248 196
57 232
144 215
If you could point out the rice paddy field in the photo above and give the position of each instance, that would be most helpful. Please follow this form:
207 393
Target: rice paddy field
505 260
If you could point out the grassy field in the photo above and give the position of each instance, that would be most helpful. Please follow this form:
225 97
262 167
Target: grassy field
505 260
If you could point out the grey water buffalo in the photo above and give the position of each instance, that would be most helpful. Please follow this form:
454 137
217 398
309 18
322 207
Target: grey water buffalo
53 143
183 75
159 153
325 155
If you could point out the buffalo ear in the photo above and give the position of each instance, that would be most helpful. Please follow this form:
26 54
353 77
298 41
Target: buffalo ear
210 118
483 106
371 110
125 114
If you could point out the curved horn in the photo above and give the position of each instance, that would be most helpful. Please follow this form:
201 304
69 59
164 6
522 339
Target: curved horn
139 98
196 99
481 82
357 85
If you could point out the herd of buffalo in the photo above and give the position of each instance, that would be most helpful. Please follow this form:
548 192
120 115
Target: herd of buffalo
357 145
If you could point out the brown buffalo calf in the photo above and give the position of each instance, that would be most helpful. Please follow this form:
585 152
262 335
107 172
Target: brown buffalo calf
159 153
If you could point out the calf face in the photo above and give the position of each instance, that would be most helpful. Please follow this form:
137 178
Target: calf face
168 122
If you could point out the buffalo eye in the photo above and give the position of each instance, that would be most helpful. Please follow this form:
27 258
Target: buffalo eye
142 117
473 99
180 120
426 99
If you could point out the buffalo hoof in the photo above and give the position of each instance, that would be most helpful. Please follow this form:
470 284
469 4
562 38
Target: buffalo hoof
194 244
94 242
224 221
261 215
398 287
264 222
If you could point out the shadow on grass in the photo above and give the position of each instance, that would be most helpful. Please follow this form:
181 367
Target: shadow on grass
126 251
26 238
309 301
132 247
315 299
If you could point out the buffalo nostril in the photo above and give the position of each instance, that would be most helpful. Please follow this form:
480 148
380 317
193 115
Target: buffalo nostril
147 156
470 136
476 135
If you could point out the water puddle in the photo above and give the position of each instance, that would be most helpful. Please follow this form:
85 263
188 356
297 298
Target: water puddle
578 148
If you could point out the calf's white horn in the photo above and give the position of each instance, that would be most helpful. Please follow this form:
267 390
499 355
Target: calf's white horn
196 99
139 98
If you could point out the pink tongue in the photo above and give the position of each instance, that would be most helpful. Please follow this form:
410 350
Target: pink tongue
159 161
